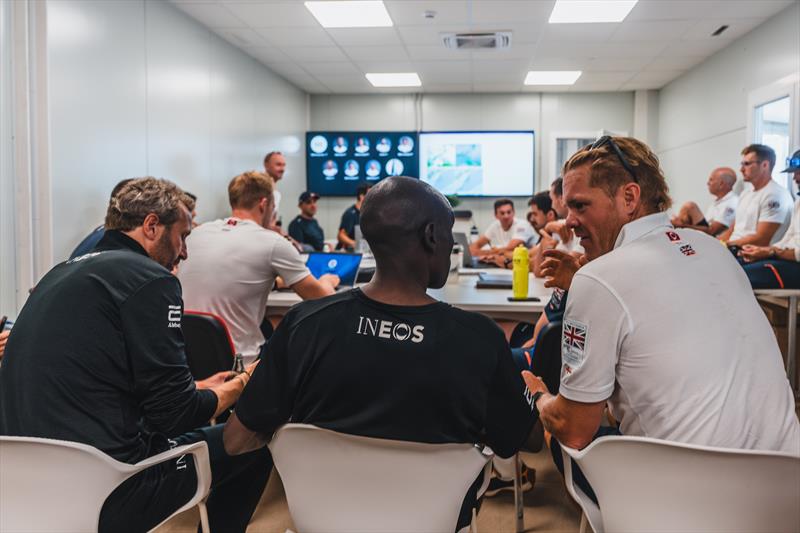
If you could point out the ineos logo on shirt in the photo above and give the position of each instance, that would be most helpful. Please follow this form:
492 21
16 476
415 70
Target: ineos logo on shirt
386 329
174 316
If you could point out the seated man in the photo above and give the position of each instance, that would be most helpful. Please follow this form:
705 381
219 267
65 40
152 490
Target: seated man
91 240
777 266
720 214
503 234
555 235
110 369
764 211
465 386
640 358
234 262
541 210
304 228
350 219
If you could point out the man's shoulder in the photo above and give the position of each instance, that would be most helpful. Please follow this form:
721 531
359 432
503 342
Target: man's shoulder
320 307
124 270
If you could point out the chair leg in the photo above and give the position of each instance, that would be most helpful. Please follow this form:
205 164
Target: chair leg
203 517
518 494
584 523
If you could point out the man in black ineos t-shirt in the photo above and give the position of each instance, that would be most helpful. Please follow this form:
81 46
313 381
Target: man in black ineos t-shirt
387 360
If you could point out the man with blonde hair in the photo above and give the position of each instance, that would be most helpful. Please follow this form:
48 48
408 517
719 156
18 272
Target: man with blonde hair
720 214
119 381
637 332
234 262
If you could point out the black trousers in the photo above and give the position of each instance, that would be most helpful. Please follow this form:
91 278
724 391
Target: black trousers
237 482
773 274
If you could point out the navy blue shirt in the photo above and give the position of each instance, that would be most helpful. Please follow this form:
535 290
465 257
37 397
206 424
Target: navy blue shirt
89 242
307 231
350 220
97 356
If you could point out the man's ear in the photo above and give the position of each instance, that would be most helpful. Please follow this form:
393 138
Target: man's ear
429 237
631 195
150 226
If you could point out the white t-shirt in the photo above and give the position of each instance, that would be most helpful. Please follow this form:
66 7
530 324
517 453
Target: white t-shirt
791 239
230 272
666 327
723 210
520 229
771 203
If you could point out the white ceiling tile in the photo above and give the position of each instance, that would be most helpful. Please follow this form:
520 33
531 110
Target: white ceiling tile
523 33
212 15
340 83
443 67
616 64
290 37
647 10
267 54
745 9
315 53
658 78
462 76
331 67
376 53
595 87
273 14
497 87
651 31
242 37
489 67
448 87
579 32
565 49
557 63
694 48
365 36
385 66
498 11
426 35
437 53
674 63
619 78
520 51
703 29
410 12
630 49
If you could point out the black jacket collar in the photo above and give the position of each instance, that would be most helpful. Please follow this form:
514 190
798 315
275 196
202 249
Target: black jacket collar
116 240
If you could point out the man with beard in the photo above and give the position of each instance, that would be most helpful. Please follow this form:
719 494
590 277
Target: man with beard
97 357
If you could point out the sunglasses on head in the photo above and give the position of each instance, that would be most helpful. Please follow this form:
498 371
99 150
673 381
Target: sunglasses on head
607 140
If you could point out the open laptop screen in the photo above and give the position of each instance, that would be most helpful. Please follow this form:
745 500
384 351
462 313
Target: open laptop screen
343 265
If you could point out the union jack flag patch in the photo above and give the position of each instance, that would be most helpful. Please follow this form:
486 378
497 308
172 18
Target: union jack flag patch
574 336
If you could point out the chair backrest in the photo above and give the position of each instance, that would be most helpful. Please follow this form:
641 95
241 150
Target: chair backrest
345 483
647 485
209 347
52 485
546 358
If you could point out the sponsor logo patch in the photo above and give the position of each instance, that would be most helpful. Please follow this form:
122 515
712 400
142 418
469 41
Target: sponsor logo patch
687 250
574 338
386 329
174 316
673 237
774 204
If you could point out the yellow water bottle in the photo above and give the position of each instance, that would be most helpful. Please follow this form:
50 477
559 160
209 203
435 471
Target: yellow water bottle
519 282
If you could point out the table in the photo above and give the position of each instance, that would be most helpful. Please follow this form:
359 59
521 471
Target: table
459 291
791 325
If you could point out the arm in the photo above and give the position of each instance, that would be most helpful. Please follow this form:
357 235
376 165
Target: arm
238 439
475 248
345 239
537 252
311 288
3 340
574 424
713 229
762 236
726 235
228 392
752 253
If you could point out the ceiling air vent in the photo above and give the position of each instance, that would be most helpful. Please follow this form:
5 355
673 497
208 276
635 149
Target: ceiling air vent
497 40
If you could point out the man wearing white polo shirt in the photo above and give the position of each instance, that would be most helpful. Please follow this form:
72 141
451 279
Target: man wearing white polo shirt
720 214
233 263
637 333
764 211
503 234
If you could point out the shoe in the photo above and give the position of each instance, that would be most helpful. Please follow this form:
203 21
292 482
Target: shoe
497 484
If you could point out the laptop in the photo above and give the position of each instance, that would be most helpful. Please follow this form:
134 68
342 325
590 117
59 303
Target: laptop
501 280
343 265
470 265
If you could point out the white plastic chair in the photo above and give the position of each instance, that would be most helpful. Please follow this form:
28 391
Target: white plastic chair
646 485
51 485
344 483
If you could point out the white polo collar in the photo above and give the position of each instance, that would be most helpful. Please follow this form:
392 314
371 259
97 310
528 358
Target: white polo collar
640 227
725 198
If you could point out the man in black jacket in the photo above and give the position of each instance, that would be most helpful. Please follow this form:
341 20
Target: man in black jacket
97 357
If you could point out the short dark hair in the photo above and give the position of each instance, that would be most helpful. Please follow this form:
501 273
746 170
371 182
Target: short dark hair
190 195
270 155
558 187
542 202
501 202
362 190
763 152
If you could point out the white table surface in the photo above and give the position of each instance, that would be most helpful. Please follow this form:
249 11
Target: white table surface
460 292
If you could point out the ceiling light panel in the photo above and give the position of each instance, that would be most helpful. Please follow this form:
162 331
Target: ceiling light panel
394 79
350 14
589 11
552 77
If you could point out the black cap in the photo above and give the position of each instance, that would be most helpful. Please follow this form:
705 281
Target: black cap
307 196
793 163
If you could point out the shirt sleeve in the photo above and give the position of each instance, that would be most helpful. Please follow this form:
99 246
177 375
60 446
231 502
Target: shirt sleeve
288 263
775 207
524 232
296 231
162 383
594 327
267 400
348 223
491 233
727 214
509 414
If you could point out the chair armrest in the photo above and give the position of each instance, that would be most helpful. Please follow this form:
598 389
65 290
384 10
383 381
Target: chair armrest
202 465
590 509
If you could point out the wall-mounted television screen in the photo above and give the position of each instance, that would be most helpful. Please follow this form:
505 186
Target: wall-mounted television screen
338 162
478 163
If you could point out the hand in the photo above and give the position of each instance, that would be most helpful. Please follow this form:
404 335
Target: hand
558 268
751 252
330 279
494 259
3 340
546 242
534 383
560 227
217 379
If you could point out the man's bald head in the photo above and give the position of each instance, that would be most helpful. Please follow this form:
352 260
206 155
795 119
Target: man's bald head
721 181
404 219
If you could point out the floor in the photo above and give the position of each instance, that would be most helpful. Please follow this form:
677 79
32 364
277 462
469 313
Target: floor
548 507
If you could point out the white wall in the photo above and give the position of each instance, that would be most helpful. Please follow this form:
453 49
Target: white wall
544 113
703 114
138 88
